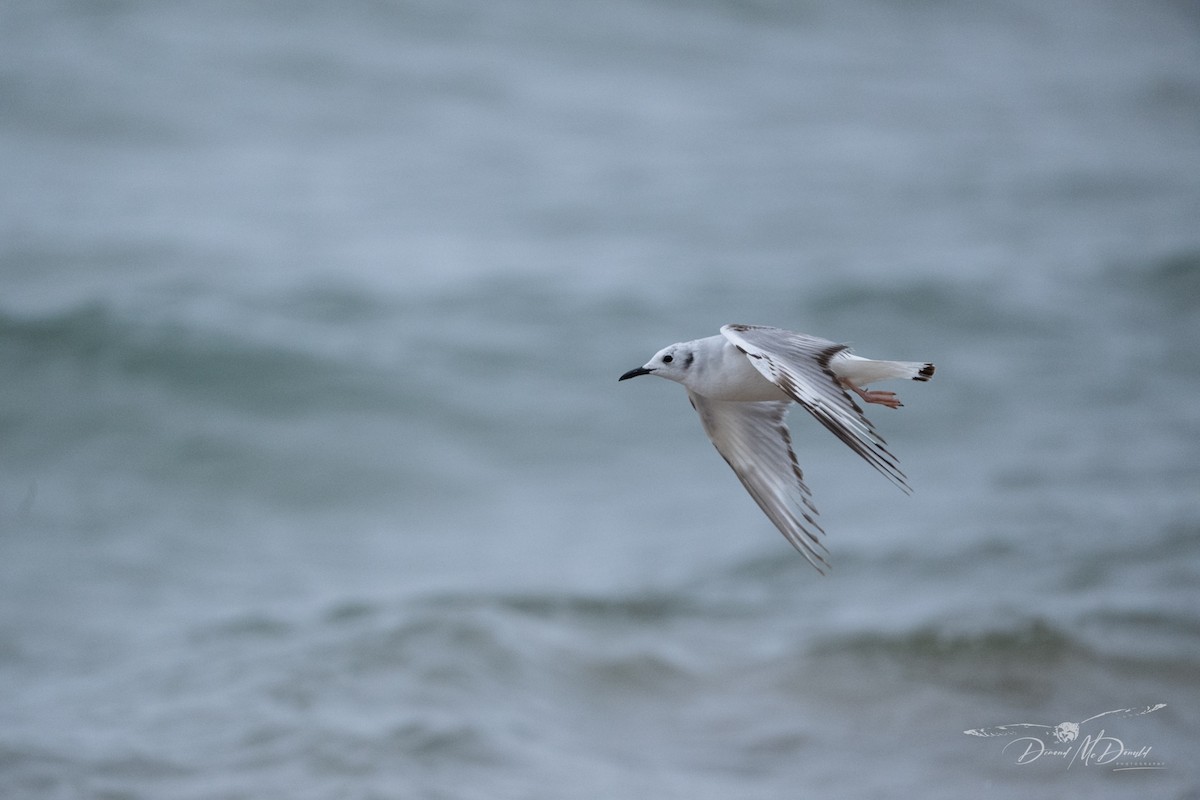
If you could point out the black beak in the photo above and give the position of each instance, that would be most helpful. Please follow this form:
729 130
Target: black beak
633 373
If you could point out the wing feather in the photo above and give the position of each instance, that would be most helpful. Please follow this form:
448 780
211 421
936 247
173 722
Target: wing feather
755 442
799 365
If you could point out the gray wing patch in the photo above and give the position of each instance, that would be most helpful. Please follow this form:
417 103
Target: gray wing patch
755 442
799 365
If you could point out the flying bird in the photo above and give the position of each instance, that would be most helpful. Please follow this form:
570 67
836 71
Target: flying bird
742 384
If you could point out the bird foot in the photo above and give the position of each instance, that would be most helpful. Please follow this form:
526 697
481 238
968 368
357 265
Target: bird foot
888 399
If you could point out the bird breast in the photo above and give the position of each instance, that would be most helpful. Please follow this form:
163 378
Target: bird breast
727 374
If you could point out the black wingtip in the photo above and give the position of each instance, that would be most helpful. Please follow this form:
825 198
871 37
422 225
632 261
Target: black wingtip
925 373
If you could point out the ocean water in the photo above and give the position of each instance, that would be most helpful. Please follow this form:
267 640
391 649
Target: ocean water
316 480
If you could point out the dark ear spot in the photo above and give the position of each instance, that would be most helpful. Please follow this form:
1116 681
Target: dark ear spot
687 362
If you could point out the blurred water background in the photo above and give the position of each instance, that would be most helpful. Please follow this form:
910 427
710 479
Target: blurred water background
316 480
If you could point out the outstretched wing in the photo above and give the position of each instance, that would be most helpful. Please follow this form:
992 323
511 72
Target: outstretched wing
799 365
755 442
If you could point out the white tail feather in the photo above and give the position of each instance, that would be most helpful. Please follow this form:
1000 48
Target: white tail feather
861 371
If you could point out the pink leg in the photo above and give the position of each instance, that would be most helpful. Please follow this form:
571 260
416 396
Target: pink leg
888 399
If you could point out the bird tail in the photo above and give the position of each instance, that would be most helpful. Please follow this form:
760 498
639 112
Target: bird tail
861 371
923 371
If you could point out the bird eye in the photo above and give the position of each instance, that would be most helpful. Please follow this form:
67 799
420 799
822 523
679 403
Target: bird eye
668 359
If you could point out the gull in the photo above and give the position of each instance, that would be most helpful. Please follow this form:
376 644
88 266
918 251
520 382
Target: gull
742 384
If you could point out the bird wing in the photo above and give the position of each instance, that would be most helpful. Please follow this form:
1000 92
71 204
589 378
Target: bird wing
755 442
799 365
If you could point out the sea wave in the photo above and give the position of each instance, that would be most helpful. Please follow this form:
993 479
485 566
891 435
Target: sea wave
168 403
505 682
1033 638
94 344
497 631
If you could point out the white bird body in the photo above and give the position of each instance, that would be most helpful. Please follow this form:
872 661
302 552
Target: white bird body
742 383
722 372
